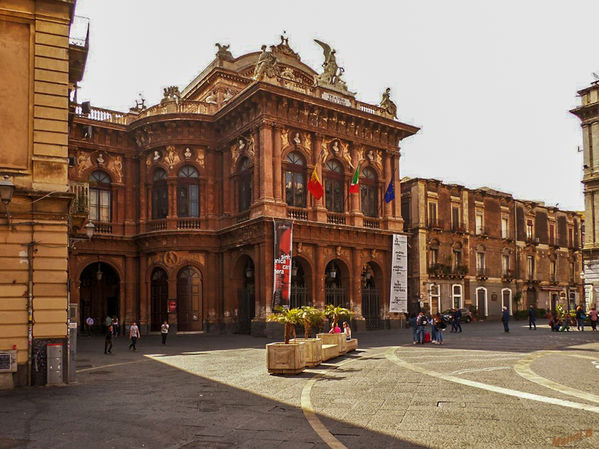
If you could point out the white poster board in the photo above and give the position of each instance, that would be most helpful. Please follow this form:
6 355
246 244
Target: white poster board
398 299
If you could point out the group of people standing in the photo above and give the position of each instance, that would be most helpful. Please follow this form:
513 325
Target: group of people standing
419 323
562 322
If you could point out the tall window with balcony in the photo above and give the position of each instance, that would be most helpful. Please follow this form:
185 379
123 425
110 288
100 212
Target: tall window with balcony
159 195
505 228
552 234
188 192
455 218
529 230
432 214
334 190
479 222
530 265
245 173
100 197
552 270
368 193
480 263
295 180
457 259
433 256
505 264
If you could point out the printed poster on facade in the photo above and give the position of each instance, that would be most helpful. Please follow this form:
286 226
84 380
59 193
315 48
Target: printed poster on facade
282 263
398 301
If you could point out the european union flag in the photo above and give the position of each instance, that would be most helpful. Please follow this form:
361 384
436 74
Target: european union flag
390 193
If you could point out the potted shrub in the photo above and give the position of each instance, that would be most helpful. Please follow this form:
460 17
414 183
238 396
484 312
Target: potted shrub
310 318
335 314
286 357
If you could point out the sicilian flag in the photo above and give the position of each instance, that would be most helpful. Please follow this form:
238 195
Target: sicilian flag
355 186
390 193
314 186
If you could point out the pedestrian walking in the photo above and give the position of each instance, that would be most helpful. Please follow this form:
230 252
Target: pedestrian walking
412 322
115 326
164 331
421 327
89 323
108 341
593 317
107 321
433 330
580 317
133 336
505 318
439 325
532 318
456 322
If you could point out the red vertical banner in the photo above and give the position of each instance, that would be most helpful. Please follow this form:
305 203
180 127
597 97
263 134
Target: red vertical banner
283 234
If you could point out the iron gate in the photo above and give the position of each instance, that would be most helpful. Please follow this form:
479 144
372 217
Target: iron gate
299 297
245 311
335 296
371 308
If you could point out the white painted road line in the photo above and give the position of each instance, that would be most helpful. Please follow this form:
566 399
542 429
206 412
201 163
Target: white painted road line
493 388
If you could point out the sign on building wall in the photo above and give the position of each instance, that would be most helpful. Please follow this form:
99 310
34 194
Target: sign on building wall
282 263
398 301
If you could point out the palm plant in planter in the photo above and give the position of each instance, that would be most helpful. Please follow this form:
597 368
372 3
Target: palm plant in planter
336 313
310 318
286 357
288 318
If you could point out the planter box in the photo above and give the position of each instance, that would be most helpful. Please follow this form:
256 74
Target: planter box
313 350
342 343
329 352
330 340
351 345
284 358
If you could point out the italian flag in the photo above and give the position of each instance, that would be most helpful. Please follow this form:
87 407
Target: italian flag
314 186
354 186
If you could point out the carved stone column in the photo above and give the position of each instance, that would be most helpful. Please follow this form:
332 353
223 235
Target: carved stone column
276 164
320 211
356 216
171 219
318 277
387 172
265 154
137 306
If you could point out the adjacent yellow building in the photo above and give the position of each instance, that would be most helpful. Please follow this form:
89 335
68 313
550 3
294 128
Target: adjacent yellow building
40 63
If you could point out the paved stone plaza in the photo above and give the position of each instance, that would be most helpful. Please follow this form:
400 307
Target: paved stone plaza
482 389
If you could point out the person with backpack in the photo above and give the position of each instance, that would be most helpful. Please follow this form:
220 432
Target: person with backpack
439 325
421 323
455 324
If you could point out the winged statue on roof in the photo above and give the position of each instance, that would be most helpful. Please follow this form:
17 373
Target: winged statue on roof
332 72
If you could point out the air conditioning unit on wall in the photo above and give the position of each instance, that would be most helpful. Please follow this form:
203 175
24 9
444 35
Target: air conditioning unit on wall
8 361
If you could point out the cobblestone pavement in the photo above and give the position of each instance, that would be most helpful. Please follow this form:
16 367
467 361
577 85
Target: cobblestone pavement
482 389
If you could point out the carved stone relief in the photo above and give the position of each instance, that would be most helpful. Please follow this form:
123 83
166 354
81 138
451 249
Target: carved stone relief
83 162
172 158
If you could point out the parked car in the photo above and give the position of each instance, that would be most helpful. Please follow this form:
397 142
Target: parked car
466 315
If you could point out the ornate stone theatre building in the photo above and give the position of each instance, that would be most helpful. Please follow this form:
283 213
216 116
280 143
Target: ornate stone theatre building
183 195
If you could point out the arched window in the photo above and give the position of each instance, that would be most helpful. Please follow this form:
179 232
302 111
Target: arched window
244 184
99 197
188 192
295 180
506 299
368 191
159 195
333 188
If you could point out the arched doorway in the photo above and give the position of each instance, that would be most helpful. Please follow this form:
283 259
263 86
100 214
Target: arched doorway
482 305
244 277
300 283
189 299
159 298
336 282
371 279
99 293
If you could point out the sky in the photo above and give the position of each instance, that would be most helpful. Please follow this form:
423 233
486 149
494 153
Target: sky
490 83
